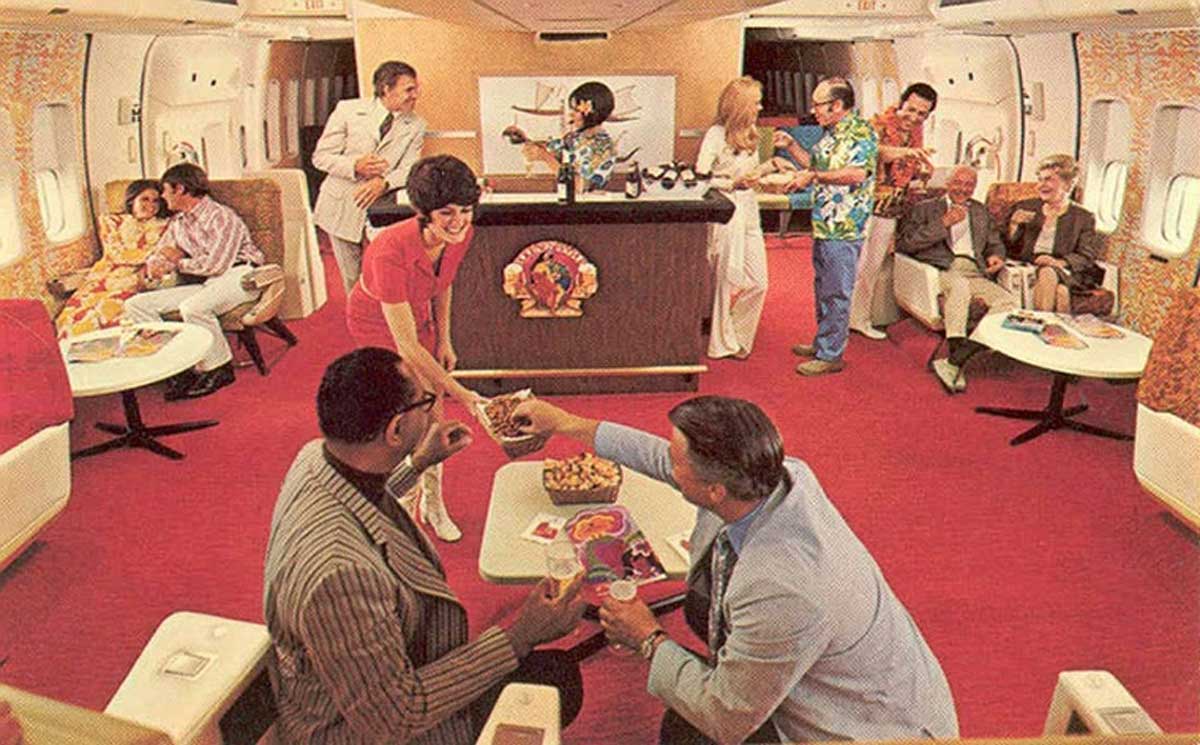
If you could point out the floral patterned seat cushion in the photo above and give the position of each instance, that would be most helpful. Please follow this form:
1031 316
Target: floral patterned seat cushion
1171 382
1002 195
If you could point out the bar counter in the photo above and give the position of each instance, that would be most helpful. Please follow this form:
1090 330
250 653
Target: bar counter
641 329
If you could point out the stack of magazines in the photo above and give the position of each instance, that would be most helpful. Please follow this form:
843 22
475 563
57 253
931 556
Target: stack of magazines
1019 321
139 343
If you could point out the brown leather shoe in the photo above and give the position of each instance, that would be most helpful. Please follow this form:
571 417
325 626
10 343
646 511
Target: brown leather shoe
820 367
804 350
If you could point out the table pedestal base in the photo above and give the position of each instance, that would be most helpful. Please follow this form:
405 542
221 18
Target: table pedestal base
1054 416
135 434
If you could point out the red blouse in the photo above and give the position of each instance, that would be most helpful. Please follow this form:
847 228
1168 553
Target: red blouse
396 269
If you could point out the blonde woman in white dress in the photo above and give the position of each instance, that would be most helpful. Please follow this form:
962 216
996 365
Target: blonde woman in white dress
736 249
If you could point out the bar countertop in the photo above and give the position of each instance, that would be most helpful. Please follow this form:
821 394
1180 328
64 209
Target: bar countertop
603 208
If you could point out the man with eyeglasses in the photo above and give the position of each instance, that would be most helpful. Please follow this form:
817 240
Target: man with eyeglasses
369 643
903 158
843 169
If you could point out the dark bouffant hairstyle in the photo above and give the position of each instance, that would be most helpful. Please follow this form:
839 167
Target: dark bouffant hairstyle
137 187
360 392
599 96
386 75
440 180
190 176
924 90
731 442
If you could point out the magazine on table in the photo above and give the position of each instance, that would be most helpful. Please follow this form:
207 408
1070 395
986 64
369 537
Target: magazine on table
1089 325
1057 335
611 546
1018 321
139 343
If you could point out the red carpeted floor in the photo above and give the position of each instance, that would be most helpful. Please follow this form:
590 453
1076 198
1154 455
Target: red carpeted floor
1015 562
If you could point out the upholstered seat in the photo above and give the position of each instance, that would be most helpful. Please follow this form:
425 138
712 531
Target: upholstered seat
259 204
1166 454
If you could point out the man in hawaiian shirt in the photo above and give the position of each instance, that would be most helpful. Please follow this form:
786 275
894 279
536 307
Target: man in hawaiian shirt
843 169
902 158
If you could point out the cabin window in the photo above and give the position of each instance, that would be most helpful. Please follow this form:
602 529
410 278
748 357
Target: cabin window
310 102
292 131
274 103
1182 209
1107 161
56 172
1172 202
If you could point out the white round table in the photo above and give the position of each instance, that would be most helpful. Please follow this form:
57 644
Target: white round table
1112 359
126 374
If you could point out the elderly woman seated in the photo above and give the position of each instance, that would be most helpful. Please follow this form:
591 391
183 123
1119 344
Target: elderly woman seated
126 240
1057 236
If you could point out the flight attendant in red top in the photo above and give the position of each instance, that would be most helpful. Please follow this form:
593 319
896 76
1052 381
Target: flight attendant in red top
402 300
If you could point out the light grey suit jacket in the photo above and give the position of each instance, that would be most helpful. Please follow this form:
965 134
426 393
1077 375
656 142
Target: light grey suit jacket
369 644
817 641
351 132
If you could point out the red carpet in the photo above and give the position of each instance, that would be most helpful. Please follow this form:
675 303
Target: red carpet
1015 562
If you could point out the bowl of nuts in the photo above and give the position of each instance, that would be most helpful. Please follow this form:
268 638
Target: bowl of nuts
580 479
497 417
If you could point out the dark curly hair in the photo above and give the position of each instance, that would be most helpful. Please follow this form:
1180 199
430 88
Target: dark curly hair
440 180
360 392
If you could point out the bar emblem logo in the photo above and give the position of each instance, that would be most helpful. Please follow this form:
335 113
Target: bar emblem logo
550 279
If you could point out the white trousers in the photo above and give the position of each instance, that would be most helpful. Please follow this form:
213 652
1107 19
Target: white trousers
198 304
349 255
738 255
879 234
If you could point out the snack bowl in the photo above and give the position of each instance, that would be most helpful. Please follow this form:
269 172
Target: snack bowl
582 479
495 415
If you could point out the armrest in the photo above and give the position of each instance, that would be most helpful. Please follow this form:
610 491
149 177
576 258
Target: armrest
268 278
1112 283
916 286
63 286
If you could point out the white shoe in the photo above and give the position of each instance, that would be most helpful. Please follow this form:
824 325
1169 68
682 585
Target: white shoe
950 375
433 508
871 332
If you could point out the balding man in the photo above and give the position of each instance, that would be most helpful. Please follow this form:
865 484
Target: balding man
956 234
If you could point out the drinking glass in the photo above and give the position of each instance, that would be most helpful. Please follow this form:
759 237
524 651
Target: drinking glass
623 591
562 565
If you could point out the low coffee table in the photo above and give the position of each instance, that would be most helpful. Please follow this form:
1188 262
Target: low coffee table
125 375
1113 359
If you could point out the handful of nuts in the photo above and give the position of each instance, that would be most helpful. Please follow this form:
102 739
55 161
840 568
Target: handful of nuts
584 471
499 412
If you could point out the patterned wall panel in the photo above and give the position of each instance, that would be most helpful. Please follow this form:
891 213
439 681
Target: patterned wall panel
1143 69
37 68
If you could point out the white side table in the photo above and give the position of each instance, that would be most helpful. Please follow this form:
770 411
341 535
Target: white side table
1112 359
126 375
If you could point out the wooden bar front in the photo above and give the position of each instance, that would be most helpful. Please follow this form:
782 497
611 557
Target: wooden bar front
640 331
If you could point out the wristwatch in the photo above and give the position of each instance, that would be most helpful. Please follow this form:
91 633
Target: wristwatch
650 643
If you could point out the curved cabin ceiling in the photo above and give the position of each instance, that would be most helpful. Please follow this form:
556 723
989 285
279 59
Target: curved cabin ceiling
572 15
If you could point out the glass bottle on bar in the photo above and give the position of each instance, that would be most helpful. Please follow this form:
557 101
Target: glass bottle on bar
633 182
566 178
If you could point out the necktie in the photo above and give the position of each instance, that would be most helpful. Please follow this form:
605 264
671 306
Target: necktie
386 125
723 559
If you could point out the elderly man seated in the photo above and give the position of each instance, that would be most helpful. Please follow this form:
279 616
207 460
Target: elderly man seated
956 234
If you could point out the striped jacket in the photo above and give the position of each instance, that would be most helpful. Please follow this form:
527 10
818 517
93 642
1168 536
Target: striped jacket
369 643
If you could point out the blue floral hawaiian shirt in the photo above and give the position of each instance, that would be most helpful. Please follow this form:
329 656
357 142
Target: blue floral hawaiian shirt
840 213
595 155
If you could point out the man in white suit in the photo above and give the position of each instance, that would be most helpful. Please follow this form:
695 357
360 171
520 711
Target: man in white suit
367 148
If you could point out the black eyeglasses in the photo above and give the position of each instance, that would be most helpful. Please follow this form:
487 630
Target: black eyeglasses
425 403
827 102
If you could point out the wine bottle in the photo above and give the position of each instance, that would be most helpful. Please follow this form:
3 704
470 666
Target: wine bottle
633 182
565 182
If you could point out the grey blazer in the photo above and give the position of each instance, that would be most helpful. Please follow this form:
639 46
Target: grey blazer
1075 241
922 235
351 132
369 644
817 641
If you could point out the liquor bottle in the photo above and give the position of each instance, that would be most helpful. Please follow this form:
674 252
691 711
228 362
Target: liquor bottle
633 182
566 178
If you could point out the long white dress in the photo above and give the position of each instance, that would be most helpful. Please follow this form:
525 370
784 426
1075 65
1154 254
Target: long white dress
736 252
